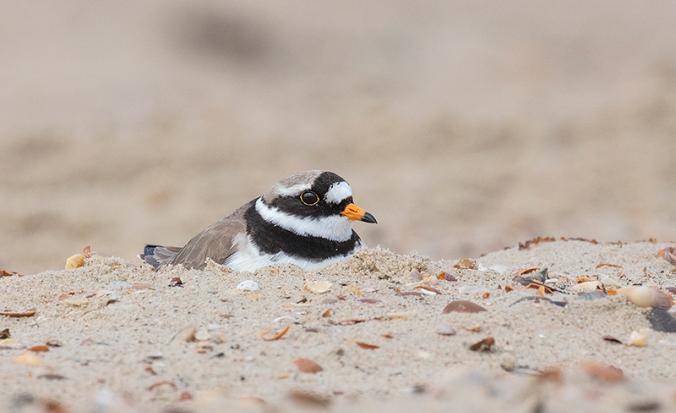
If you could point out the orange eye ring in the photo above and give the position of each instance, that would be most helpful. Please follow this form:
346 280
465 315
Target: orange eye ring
313 199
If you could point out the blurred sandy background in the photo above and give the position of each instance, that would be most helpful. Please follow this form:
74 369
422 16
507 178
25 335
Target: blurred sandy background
463 126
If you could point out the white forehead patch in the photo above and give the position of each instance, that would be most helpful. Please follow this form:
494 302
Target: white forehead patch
338 192
291 190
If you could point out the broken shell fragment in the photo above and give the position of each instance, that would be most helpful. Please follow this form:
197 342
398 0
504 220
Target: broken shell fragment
318 287
483 346
603 372
367 346
465 264
75 261
637 339
202 335
248 285
28 359
645 296
307 366
77 301
587 287
463 306
267 335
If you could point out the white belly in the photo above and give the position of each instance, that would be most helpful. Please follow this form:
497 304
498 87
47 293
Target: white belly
249 258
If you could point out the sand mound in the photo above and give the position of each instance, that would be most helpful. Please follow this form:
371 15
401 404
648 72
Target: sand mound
367 334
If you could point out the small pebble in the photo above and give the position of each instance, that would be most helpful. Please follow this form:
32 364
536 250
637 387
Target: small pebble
202 335
446 330
119 285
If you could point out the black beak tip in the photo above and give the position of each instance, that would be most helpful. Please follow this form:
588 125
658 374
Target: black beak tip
369 218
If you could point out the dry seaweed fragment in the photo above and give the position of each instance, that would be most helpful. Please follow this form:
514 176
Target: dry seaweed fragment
591 241
19 314
51 376
534 241
606 264
5 273
349 321
462 306
268 336
484 345
307 366
612 339
542 289
398 292
537 299
5 334
527 270
41 348
159 384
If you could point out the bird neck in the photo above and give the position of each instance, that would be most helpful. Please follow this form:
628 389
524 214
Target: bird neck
272 238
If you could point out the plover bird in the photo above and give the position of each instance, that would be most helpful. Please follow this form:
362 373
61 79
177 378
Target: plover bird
305 219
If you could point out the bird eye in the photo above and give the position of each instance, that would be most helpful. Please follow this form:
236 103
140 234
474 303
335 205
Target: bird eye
309 198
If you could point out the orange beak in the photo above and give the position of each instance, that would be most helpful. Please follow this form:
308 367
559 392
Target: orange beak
356 213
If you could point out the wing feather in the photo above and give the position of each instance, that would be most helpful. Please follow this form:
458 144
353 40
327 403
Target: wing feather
217 242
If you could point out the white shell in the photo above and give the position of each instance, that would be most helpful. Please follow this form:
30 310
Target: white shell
587 287
637 339
248 285
645 296
318 287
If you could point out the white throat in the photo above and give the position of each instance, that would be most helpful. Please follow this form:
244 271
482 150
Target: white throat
335 228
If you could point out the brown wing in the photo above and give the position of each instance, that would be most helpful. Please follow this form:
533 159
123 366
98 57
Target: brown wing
215 242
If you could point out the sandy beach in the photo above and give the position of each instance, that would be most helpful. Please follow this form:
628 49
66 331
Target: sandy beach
373 332
464 127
